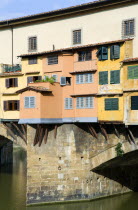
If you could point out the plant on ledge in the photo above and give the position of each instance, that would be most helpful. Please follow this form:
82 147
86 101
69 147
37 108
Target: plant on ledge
118 149
51 80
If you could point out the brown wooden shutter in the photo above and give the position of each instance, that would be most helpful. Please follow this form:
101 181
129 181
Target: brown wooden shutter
40 78
5 105
7 83
15 82
18 105
29 80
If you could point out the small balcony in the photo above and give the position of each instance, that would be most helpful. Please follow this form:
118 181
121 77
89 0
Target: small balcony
6 68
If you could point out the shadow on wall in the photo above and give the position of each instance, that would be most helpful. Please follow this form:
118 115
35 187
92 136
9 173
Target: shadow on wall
123 170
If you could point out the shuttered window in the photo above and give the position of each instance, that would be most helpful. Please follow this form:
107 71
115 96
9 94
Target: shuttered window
32 46
128 28
111 104
33 79
103 77
12 82
84 78
52 59
77 37
29 102
84 55
11 105
32 60
133 72
55 77
115 77
68 103
65 81
102 53
115 52
134 102
84 102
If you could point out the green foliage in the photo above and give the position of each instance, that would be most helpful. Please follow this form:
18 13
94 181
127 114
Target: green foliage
47 79
119 151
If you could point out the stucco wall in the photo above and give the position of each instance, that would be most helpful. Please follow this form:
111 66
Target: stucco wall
96 27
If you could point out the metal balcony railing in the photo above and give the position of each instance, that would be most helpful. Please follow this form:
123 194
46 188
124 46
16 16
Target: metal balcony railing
8 68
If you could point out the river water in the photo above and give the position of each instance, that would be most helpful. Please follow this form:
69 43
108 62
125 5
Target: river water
13 192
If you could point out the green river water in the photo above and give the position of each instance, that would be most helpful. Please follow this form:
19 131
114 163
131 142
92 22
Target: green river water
13 192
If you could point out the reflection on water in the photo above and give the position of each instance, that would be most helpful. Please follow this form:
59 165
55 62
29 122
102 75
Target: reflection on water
13 192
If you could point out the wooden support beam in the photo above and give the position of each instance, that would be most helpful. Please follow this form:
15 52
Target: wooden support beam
24 128
91 132
41 136
10 131
19 131
94 132
46 135
104 131
116 131
55 131
36 139
131 135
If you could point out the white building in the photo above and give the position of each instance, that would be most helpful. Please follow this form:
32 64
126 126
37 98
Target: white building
99 21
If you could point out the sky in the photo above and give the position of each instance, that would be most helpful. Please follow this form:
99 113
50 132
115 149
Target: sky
18 8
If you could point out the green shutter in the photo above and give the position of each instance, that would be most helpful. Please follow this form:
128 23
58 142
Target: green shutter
99 53
112 52
134 102
111 104
115 77
116 51
104 53
133 72
114 102
103 77
107 104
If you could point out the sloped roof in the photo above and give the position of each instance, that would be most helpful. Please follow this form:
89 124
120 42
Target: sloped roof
64 11
34 88
130 60
62 50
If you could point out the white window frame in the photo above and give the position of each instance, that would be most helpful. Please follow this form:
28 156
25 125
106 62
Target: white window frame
29 102
68 103
85 102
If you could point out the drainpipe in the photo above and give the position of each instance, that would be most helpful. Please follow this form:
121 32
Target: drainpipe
12 44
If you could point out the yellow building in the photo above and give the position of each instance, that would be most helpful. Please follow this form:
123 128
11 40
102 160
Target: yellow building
130 89
13 78
110 89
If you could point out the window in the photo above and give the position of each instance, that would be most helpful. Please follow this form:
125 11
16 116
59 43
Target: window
128 28
52 59
133 72
68 103
33 79
102 53
115 77
103 77
115 52
11 105
29 102
55 77
12 82
65 81
84 56
32 43
84 78
32 60
134 102
84 102
77 37
111 104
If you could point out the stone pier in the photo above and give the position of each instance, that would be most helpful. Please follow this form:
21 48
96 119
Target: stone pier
60 170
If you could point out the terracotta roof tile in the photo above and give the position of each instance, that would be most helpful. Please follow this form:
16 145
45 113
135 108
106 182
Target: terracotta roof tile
35 88
76 72
130 60
74 48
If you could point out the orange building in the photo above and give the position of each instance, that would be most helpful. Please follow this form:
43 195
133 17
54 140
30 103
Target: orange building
67 90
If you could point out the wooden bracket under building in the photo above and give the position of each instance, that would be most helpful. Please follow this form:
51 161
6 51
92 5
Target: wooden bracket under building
116 131
46 135
104 131
10 131
92 130
23 136
55 131
131 135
